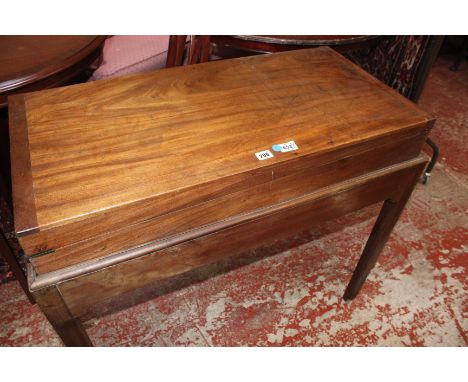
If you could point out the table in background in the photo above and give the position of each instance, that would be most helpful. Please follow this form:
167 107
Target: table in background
203 48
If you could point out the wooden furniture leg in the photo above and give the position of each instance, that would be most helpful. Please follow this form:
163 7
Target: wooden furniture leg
199 50
388 217
69 328
175 51
8 255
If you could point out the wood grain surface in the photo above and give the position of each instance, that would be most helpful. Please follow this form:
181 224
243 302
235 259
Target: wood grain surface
294 182
25 206
126 150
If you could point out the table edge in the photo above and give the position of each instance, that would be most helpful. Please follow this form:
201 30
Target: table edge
24 205
310 43
22 81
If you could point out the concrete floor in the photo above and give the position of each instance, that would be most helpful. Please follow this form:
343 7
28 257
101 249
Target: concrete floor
416 295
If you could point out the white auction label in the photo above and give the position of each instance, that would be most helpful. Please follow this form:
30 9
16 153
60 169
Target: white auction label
262 155
285 147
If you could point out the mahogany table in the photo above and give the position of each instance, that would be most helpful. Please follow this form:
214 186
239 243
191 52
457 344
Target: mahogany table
122 183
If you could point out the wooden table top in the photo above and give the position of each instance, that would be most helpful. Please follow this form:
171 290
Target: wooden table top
24 59
82 150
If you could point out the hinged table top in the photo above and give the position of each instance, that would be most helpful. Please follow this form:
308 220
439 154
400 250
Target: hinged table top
82 150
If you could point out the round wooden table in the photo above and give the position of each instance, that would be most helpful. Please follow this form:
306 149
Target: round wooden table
29 63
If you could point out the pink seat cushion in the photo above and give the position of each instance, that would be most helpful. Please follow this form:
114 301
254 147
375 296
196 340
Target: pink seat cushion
131 54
